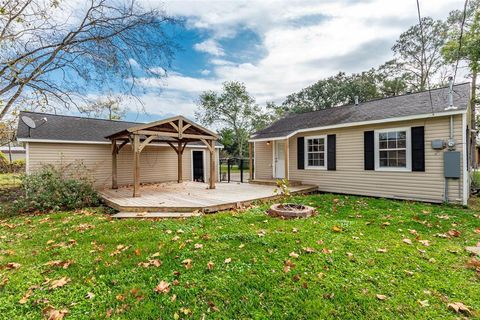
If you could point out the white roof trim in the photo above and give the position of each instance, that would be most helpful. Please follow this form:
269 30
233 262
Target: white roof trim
102 142
362 123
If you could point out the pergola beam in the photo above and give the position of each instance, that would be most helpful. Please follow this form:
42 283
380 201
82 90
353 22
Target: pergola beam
174 135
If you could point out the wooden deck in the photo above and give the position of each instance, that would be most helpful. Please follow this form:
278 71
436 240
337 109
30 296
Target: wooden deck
182 199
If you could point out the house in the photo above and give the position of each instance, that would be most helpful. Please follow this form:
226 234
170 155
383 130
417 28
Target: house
412 146
13 153
173 149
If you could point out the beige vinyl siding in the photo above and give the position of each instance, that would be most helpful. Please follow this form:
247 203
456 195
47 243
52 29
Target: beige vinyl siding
351 178
263 160
157 163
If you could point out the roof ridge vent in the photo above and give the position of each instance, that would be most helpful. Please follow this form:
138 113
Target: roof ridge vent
450 95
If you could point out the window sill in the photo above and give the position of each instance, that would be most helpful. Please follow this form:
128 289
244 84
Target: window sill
316 168
394 169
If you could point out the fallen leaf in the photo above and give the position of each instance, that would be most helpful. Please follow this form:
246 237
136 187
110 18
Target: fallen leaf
241 246
52 314
337 229
293 254
459 307
426 243
326 251
453 233
13 265
25 297
407 241
59 283
89 295
228 260
309 250
423 303
59 263
137 252
210 265
382 250
381 297
187 263
162 287
198 246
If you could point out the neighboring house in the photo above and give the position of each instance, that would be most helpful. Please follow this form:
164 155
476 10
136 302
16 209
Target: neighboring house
58 139
13 153
394 147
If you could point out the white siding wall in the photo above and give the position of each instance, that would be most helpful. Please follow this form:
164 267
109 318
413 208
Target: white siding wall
157 163
350 176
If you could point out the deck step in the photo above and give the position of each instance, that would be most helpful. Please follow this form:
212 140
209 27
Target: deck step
273 182
146 215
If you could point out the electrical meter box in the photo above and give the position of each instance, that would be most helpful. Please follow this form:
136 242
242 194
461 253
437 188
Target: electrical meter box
451 164
438 144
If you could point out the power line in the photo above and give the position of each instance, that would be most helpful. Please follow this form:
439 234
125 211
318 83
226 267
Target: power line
460 39
423 58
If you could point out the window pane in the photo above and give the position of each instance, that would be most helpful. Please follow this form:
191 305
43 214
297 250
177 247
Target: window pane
392 144
402 135
382 136
392 135
383 145
401 143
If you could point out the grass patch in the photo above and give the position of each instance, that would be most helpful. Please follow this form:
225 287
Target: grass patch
341 278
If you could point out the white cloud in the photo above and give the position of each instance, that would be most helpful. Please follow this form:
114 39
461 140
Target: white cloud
344 36
209 46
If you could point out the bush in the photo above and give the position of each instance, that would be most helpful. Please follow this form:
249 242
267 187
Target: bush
55 188
15 166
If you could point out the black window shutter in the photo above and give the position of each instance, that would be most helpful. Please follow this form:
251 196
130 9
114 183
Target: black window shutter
418 148
369 150
300 153
331 152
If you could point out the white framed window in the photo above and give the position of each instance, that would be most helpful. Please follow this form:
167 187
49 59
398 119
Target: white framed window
316 152
393 149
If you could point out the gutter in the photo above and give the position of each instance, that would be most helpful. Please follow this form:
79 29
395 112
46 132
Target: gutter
29 140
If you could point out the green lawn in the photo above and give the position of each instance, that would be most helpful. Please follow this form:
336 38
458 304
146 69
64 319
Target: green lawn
351 261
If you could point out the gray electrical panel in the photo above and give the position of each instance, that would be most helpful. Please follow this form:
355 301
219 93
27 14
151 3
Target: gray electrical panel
438 144
451 164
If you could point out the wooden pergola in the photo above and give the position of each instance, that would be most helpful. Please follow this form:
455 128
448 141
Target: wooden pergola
176 132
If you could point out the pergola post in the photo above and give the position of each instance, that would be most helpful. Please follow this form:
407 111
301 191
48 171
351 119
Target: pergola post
136 165
114 164
212 164
180 156
250 161
286 158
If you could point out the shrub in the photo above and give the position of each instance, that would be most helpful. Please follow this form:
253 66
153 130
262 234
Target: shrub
15 166
54 188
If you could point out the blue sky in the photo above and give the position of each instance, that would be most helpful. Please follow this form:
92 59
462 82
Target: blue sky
275 47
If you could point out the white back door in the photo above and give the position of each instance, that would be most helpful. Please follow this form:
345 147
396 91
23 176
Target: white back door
279 160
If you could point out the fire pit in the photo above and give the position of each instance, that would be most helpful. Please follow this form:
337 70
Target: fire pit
291 210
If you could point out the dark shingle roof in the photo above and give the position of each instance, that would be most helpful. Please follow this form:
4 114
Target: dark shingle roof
72 128
393 107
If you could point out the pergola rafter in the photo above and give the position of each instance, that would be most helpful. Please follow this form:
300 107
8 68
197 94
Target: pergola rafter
177 132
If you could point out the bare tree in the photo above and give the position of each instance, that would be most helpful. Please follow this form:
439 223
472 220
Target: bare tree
106 107
418 50
49 51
